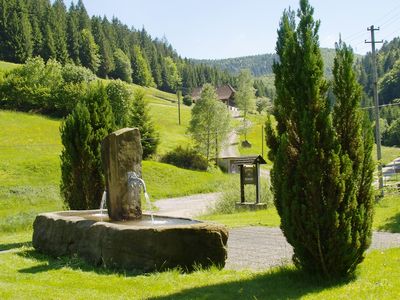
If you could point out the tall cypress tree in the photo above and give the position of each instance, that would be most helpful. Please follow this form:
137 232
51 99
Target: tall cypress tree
82 179
308 177
355 208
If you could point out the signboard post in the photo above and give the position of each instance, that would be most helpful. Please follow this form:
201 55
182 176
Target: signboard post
250 174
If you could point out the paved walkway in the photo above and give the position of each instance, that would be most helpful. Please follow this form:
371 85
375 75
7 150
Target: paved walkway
253 247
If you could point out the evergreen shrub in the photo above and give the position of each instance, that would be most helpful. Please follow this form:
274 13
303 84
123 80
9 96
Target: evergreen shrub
186 158
82 179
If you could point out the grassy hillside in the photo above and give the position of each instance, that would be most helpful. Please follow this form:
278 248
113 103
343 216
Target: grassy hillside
5 66
30 171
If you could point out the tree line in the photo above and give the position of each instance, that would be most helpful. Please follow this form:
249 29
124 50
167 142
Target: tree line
110 49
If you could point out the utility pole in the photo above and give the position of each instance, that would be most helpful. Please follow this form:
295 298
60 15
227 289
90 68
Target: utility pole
262 140
376 100
178 93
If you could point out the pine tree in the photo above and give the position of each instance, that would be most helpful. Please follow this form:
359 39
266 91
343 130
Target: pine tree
123 68
105 51
82 179
308 182
140 118
89 51
49 47
59 28
73 35
140 69
83 17
170 74
17 32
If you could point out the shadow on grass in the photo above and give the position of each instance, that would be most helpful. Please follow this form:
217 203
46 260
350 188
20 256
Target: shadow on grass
279 283
50 263
6 247
392 224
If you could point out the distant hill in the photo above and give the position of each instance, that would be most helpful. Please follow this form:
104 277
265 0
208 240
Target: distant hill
261 64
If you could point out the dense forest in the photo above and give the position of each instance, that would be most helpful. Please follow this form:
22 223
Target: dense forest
110 49
260 65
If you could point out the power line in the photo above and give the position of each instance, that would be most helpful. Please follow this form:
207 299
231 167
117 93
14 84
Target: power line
383 105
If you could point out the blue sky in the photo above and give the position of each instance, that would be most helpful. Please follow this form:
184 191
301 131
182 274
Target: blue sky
231 28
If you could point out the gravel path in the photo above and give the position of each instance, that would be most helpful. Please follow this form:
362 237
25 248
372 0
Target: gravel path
259 248
253 247
186 207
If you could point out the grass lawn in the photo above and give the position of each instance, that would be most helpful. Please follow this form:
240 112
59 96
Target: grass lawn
388 154
26 274
265 217
165 118
255 135
387 214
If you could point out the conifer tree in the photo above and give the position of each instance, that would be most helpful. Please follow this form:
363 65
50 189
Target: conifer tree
140 117
322 172
355 207
73 35
59 28
306 179
89 51
105 52
123 68
82 179
49 47
140 69
17 32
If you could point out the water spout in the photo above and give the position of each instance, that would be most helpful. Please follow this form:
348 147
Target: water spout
134 180
103 203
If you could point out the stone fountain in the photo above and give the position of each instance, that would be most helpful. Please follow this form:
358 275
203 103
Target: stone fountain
125 238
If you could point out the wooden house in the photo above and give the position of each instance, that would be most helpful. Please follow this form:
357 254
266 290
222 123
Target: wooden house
225 93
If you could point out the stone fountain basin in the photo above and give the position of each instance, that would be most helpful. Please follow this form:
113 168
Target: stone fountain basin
131 245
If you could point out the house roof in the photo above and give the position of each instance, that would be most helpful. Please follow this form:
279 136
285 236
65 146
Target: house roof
224 92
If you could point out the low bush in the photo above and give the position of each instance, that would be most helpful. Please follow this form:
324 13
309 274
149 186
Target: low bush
187 100
186 158
231 195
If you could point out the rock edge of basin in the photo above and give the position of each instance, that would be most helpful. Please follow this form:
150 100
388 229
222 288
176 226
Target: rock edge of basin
130 247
